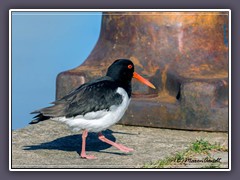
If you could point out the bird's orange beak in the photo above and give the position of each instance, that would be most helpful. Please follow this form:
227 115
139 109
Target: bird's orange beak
143 80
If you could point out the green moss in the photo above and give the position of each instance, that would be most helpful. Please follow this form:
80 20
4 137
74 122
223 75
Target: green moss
202 146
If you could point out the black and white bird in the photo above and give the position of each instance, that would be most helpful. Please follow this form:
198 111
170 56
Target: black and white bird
96 105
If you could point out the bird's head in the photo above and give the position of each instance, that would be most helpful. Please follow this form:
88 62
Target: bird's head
122 70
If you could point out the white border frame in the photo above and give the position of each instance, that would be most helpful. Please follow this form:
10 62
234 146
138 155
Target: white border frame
113 10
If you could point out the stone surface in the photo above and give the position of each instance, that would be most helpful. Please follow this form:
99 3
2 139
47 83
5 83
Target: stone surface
52 145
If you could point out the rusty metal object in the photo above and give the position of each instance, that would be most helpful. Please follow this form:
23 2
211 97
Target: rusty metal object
184 54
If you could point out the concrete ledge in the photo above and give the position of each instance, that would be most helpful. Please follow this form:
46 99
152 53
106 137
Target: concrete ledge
52 145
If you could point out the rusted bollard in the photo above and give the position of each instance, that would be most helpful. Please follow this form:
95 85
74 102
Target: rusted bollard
185 55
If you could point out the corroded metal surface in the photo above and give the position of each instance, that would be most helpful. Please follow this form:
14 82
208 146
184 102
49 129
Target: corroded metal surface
184 54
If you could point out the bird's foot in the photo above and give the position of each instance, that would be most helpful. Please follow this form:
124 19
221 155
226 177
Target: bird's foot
88 156
118 146
123 148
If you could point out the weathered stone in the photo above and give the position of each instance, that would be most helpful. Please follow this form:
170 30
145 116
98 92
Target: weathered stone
51 144
198 107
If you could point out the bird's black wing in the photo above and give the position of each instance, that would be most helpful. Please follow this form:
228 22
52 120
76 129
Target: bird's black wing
99 95
90 97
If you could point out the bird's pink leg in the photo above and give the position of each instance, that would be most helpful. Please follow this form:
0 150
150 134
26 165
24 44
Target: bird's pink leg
83 152
119 146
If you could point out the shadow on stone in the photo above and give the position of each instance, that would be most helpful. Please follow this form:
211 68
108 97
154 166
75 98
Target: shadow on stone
74 143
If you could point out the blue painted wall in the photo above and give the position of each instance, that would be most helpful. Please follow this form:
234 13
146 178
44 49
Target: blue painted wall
43 45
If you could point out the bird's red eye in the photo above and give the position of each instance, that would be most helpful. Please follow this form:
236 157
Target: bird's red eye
130 66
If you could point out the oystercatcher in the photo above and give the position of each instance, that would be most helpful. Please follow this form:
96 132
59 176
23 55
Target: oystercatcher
96 105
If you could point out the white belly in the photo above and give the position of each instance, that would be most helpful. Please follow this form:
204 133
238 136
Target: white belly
100 120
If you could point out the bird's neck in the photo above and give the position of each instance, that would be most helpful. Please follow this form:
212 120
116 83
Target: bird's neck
127 87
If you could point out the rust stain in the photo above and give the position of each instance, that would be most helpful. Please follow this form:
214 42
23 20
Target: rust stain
164 77
164 96
171 18
151 68
203 72
136 61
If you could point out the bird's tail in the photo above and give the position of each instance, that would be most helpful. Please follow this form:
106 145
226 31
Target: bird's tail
38 118
56 110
